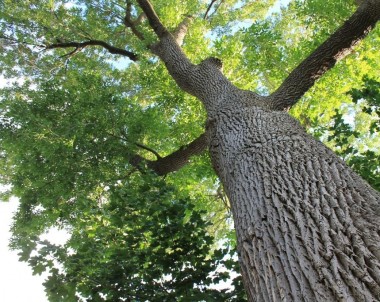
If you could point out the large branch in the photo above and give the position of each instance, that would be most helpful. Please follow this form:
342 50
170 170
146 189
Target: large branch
204 81
153 19
80 45
168 50
174 161
335 48
181 30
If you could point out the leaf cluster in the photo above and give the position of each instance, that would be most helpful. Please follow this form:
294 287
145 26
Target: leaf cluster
67 145
70 120
348 136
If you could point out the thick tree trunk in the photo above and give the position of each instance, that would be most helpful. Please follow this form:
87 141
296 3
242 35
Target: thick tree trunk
308 228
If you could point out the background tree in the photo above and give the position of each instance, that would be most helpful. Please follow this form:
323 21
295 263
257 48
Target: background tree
80 134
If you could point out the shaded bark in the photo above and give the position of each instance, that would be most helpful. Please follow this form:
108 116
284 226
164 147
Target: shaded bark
307 226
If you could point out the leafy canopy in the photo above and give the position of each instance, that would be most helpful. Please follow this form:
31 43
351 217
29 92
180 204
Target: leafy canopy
73 118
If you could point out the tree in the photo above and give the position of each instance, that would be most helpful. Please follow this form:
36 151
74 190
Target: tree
306 224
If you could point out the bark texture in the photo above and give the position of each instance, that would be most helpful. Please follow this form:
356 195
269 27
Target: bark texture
308 227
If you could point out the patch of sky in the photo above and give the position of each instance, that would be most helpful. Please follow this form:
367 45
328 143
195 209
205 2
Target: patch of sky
71 5
276 8
244 24
120 63
16 278
56 236
351 111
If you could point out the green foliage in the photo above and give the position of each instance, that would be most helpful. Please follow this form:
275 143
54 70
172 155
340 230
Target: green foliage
68 142
134 241
347 138
69 123
371 95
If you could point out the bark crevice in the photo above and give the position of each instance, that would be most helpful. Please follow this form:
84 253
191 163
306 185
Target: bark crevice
300 213
307 225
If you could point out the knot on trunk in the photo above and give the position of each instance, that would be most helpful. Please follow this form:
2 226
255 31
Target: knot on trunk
213 62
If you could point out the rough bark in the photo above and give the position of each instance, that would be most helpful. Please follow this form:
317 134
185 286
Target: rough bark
205 80
307 226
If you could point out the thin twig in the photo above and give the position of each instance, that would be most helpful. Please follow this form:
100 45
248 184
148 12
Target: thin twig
137 144
19 42
208 9
148 149
128 22
216 8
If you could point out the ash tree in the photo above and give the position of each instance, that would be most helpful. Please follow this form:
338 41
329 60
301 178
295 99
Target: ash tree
143 128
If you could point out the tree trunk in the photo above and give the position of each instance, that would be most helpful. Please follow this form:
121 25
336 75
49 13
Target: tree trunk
308 228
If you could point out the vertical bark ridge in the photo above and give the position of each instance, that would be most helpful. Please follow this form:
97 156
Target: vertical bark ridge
307 226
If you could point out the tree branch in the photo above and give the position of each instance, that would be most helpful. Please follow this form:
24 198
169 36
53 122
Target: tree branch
15 41
207 16
203 81
176 62
181 30
80 45
153 19
174 161
148 149
128 22
208 9
335 48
